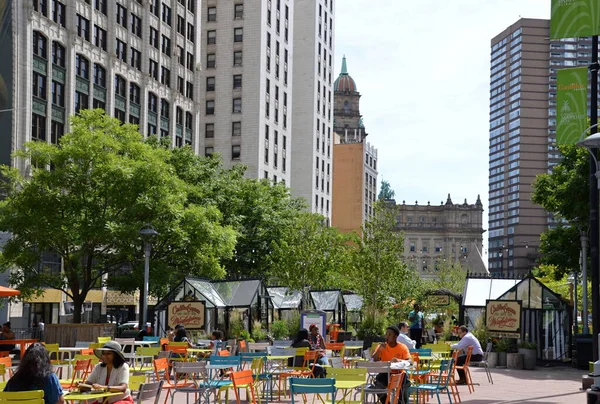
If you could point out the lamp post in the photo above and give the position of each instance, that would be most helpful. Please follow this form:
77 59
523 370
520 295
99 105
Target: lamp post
147 232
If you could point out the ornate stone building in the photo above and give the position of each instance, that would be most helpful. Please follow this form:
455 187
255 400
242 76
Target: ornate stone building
434 234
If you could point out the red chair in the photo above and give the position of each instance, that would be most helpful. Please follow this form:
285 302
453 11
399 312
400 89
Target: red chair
161 367
80 373
244 379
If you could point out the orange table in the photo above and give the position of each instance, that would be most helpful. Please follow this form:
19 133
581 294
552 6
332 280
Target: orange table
24 343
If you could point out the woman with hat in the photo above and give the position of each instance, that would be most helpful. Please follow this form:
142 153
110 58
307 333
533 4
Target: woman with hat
111 374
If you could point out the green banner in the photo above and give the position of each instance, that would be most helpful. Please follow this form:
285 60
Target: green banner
571 104
574 18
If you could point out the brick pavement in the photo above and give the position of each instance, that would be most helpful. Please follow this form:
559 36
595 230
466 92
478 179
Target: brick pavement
545 385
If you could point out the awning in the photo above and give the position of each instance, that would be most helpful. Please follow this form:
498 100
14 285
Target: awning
116 298
94 296
49 296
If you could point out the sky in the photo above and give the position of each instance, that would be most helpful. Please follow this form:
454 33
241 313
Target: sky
422 68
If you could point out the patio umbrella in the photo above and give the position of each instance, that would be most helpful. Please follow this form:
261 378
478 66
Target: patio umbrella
5 292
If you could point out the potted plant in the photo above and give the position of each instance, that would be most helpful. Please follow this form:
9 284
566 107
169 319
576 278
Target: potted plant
514 360
438 323
529 351
371 330
502 347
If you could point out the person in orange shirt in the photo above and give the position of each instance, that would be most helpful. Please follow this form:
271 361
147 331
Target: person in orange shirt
391 351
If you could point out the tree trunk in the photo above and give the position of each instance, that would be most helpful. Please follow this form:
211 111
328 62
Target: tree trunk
77 305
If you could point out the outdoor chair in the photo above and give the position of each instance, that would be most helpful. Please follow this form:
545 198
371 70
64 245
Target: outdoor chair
452 382
465 368
438 386
336 362
150 338
104 340
5 363
149 391
192 378
55 357
358 375
80 373
281 343
135 381
312 386
82 344
247 358
484 363
161 371
394 388
244 379
22 397
127 345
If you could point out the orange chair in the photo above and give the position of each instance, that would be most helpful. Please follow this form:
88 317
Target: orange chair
178 352
394 388
161 366
87 351
80 373
242 346
223 352
163 343
452 382
465 368
244 379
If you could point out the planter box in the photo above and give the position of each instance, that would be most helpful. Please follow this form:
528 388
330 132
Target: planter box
501 360
492 359
514 361
529 358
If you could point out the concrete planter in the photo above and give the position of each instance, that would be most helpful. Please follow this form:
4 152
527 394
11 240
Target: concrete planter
492 359
514 361
501 360
529 358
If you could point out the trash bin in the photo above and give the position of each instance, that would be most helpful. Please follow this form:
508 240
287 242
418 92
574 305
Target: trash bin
584 348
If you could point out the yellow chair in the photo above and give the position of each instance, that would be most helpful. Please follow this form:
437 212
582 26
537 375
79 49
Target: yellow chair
2 385
354 377
96 345
104 340
22 397
145 351
55 357
135 381
93 359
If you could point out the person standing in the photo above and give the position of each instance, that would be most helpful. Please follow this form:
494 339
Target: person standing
416 325
403 338
467 339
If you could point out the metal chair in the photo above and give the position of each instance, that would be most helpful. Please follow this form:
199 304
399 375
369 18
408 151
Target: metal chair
484 362
149 391
22 397
312 386
440 385
192 378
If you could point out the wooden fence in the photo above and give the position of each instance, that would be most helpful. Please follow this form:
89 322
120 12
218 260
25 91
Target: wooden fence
68 334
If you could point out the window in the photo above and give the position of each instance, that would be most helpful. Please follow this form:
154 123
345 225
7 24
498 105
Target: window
153 69
58 93
189 90
180 85
136 25
209 131
82 66
210 84
237 105
190 32
120 85
58 54
236 151
236 129
190 61
100 37
83 27
154 37
81 101
119 114
208 151
181 54
40 6
121 50
39 85
58 13
238 34
191 6
237 81
238 11
189 120
211 61
152 103
179 116
38 127
136 59
134 93
181 25
100 5
212 14
40 45
165 76
166 45
155 9
57 129
237 58
151 129
211 38
166 14
164 108
121 15
99 75
210 107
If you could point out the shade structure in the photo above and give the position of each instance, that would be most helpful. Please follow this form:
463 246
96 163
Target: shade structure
6 292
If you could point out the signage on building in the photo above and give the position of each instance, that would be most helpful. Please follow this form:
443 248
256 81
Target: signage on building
188 314
503 317
571 108
439 300
574 18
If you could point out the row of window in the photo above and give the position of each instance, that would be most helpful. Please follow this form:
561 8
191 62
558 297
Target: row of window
238 12
275 149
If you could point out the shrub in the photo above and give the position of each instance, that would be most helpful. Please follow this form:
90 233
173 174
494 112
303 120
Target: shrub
258 333
235 328
528 345
280 329
371 326
293 324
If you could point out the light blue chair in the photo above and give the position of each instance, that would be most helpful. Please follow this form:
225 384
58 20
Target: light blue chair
440 385
312 386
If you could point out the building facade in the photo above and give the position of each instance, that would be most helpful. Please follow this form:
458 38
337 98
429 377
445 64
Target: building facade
438 234
354 161
523 136
312 123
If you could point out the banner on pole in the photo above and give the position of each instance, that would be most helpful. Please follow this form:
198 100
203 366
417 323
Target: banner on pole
574 18
571 104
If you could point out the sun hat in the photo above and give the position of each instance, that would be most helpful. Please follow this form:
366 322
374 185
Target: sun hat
110 346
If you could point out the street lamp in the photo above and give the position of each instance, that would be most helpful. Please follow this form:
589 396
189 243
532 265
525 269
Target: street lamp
147 232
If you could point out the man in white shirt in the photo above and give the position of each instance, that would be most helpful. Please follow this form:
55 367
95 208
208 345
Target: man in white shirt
403 338
466 340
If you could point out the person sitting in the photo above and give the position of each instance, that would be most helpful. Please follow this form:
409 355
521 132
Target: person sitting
171 332
467 339
301 341
6 335
403 337
110 375
35 373
317 342
391 351
216 341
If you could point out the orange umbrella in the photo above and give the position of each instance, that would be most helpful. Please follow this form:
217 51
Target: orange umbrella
4 292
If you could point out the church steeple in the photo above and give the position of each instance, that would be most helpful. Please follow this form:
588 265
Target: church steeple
344 83
344 68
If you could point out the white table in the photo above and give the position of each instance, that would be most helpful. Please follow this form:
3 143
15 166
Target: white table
142 343
72 351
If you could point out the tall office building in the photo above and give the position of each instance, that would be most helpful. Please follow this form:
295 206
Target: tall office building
245 97
312 123
523 135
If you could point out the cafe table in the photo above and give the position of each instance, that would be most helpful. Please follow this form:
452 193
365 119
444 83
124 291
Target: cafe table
348 386
23 344
89 396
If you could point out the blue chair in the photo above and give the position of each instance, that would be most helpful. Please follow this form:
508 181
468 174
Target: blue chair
422 351
149 338
247 357
312 386
440 385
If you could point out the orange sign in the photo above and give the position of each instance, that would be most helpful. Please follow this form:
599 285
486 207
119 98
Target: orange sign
503 316
188 314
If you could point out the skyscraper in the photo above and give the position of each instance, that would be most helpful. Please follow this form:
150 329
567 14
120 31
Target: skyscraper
312 122
523 135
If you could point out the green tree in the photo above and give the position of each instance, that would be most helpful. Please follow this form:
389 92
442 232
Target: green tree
450 276
386 191
565 193
103 185
560 249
